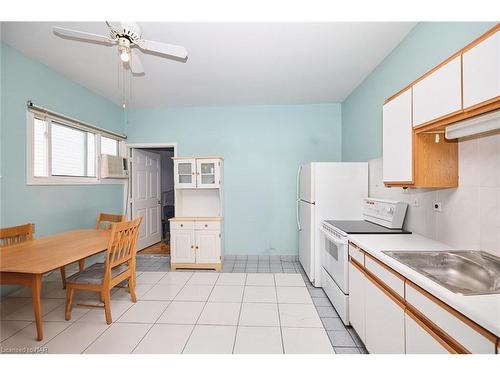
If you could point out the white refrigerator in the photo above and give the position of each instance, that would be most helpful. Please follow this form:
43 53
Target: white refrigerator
326 191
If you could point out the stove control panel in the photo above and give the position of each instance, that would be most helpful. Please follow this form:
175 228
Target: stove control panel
390 214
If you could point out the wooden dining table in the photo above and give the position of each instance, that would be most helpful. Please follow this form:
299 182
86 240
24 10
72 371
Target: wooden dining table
25 263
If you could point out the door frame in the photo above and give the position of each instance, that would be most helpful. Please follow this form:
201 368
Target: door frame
128 151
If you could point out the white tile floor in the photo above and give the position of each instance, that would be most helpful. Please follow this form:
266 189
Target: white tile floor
178 312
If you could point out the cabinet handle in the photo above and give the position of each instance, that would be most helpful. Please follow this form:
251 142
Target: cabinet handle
192 246
192 173
182 225
206 225
196 247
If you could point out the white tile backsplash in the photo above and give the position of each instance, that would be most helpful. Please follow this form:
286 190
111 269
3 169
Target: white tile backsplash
470 217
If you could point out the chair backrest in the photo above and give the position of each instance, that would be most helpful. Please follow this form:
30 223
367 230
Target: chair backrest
13 235
122 244
106 219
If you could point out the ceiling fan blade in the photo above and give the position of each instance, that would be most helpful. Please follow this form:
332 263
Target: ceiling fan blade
81 35
115 27
164 49
135 63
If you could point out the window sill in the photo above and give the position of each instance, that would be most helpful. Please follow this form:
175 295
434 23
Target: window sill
74 181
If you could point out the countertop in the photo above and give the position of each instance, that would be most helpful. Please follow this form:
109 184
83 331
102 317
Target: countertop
483 309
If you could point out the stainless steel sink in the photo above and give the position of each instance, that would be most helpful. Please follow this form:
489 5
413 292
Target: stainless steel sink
462 272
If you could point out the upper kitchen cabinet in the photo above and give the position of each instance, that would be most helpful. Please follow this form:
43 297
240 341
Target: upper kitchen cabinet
438 94
481 72
197 173
208 173
397 139
185 173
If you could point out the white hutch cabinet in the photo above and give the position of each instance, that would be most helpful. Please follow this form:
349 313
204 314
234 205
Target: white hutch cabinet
196 229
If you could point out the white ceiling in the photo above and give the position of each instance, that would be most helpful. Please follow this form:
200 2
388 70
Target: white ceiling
228 64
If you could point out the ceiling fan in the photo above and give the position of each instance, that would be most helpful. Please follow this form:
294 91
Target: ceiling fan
127 35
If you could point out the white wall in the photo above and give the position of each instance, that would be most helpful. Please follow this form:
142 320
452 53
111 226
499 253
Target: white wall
470 217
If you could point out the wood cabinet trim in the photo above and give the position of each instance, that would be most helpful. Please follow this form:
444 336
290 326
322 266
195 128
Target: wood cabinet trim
399 276
483 332
448 343
396 298
469 46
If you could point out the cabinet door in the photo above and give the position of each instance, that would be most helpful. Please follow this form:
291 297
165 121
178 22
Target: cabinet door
185 173
208 249
385 323
208 173
398 139
481 75
357 282
421 341
182 246
438 94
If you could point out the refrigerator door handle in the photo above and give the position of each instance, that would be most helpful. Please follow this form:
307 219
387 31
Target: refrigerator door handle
298 182
297 213
298 198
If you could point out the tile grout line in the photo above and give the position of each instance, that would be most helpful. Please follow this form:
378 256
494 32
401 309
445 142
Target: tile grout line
279 317
110 325
239 314
163 311
199 316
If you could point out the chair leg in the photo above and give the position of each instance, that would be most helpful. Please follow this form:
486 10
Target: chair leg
131 289
101 296
63 276
69 302
81 264
107 306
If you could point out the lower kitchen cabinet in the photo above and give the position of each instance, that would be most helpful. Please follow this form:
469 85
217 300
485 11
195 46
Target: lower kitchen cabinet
392 315
207 246
422 340
196 244
384 321
357 281
182 246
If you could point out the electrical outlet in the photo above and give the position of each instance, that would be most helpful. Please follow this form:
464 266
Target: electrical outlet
437 206
415 202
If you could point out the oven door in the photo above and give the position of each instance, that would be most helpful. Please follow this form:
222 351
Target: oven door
335 259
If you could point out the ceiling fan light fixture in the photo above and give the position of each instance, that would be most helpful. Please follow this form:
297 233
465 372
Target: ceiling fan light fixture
125 55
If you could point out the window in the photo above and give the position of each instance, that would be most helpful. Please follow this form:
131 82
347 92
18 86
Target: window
73 152
109 146
60 152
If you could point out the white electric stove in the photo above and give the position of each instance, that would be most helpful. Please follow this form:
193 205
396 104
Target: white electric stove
380 216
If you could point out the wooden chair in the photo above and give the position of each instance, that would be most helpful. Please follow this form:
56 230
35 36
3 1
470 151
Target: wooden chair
12 235
20 233
104 220
118 266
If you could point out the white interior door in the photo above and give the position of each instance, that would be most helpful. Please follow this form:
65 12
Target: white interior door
146 199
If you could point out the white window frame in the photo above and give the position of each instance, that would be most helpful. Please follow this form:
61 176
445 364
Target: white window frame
31 179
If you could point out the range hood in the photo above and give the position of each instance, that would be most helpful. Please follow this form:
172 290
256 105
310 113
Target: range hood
475 125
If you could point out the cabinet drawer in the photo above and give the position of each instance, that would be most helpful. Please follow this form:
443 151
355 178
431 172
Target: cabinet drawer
181 225
466 333
357 254
387 276
420 339
207 225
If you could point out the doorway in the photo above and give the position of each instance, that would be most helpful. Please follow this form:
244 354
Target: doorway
151 195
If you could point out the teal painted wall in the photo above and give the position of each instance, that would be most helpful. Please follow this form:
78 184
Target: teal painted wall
52 208
262 148
426 45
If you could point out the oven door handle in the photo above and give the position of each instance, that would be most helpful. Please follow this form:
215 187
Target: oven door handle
333 239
